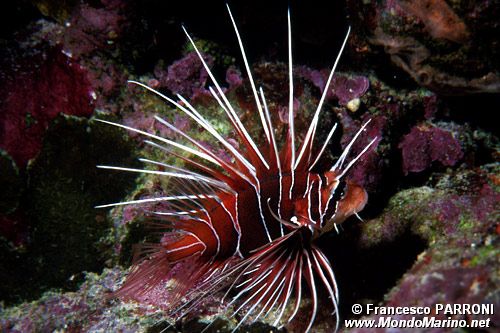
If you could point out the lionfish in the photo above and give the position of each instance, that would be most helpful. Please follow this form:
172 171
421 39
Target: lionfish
246 227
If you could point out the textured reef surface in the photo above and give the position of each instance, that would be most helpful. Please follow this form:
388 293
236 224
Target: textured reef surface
426 73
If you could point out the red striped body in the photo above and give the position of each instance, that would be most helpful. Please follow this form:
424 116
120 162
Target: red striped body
237 222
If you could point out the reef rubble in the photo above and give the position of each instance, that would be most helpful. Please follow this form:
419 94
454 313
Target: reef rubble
429 234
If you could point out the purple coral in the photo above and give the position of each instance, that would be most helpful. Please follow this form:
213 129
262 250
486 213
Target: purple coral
316 77
147 122
347 89
93 28
233 77
426 144
344 88
185 76
52 84
138 119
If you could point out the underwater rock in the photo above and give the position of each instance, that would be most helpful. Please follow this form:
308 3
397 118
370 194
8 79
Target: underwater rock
346 89
343 86
40 82
90 39
94 28
457 219
462 201
10 183
52 84
66 234
70 311
55 9
439 19
447 47
426 144
233 77
13 225
185 76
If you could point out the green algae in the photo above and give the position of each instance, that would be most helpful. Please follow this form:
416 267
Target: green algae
402 211
212 48
485 254
73 308
466 223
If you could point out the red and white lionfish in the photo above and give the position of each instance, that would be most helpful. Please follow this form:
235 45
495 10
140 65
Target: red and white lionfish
246 227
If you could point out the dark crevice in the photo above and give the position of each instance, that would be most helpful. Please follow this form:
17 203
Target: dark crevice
367 274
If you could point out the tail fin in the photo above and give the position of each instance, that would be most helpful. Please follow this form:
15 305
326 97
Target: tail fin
163 276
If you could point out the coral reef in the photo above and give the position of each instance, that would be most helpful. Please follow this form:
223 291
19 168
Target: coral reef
70 311
28 108
343 87
91 29
458 219
426 144
430 231
439 19
185 76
